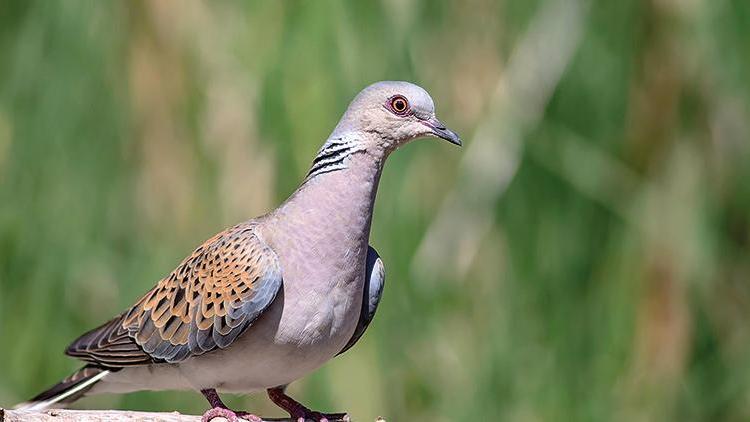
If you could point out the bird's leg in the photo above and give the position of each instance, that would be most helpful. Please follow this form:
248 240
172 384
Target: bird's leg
298 411
219 409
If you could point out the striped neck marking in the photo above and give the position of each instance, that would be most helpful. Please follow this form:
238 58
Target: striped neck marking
332 156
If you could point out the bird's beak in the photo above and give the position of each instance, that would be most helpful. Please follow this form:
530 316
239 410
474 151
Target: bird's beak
438 129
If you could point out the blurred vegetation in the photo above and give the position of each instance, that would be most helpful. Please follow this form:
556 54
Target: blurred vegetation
584 257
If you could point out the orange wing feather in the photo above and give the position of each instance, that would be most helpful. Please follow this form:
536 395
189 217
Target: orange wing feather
212 297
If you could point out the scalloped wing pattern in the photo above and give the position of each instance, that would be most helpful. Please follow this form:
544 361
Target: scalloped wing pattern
210 299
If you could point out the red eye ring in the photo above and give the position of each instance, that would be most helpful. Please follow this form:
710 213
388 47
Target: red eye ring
398 104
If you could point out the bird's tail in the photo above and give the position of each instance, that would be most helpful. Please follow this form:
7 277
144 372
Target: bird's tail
68 390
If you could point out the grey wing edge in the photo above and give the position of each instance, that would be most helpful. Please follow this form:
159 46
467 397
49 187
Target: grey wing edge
373 291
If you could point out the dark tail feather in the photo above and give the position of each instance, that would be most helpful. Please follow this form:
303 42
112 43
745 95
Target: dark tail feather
68 390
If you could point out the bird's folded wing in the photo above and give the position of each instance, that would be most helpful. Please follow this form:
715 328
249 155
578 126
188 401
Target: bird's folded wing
374 283
211 298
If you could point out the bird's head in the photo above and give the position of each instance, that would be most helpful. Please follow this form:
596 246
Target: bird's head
395 113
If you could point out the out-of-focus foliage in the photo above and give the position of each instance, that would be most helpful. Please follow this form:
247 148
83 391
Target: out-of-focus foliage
584 257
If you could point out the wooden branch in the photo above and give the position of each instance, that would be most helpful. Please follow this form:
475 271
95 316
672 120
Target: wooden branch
58 415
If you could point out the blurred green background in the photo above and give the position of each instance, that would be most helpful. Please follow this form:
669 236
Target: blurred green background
584 257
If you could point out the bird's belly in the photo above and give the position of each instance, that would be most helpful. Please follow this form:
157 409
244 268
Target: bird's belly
299 332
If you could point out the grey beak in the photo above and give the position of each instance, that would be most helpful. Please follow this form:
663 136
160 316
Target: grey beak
439 130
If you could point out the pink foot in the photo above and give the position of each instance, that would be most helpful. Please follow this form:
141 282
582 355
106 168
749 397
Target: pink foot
229 415
219 412
298 411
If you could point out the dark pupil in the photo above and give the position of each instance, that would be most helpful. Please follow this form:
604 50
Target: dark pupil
399 105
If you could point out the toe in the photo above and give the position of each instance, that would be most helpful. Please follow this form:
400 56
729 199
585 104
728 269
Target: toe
217 412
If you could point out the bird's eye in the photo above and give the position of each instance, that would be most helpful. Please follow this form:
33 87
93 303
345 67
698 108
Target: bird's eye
399 105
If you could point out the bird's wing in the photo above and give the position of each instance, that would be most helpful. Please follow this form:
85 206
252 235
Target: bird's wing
374 283
211 298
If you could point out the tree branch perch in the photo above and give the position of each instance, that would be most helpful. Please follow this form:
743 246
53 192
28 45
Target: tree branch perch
59 415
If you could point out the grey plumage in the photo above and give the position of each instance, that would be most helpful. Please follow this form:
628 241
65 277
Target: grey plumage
268 301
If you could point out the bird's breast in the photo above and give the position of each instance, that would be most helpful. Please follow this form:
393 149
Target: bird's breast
323 290
309 322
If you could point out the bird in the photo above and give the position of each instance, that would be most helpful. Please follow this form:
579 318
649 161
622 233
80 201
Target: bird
269 300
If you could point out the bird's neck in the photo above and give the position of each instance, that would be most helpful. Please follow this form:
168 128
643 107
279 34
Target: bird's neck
337 197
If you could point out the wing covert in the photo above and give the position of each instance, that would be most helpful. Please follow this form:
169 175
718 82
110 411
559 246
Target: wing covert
210 299
374 284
